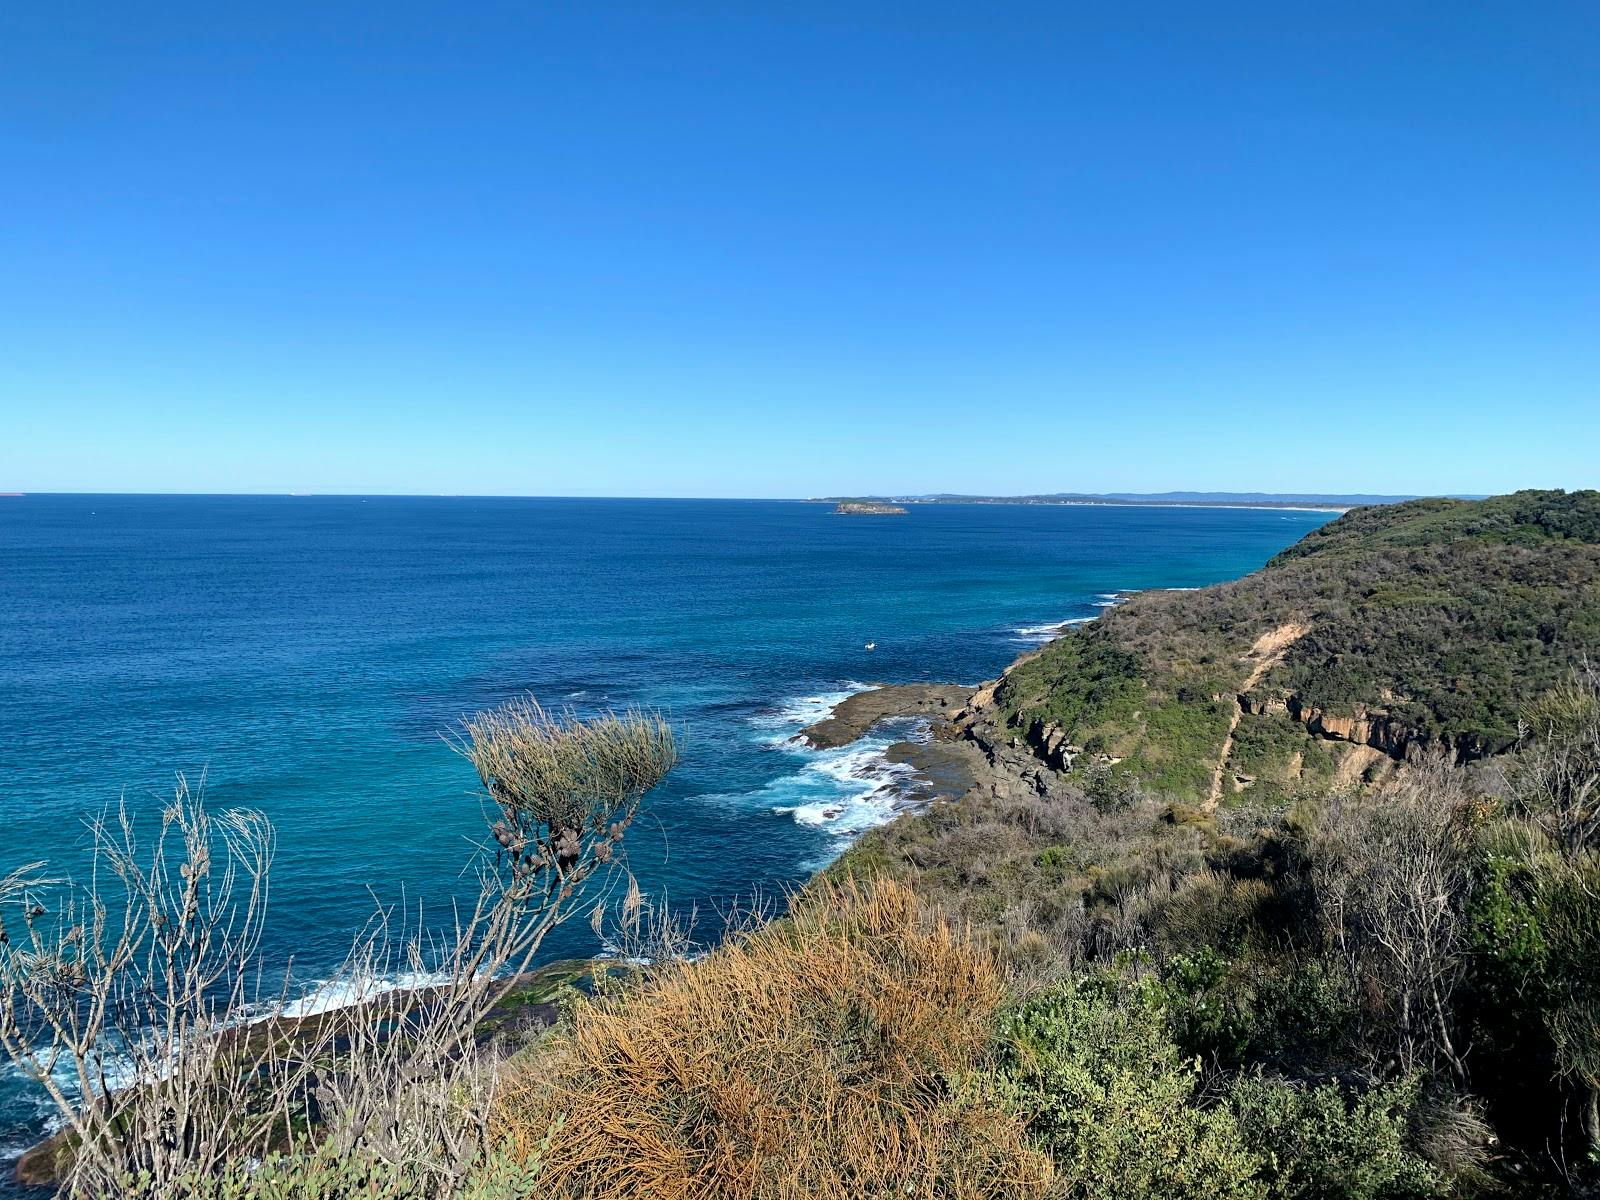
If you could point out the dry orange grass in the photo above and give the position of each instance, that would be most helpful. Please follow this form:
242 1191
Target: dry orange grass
830 1055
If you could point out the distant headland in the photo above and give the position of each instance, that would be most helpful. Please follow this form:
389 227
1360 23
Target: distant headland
1328 502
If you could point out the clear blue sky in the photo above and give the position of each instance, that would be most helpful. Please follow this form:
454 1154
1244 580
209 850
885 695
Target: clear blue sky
789 249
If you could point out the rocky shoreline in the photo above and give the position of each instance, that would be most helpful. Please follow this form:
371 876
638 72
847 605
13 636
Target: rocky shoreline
967 749
855 715
970 749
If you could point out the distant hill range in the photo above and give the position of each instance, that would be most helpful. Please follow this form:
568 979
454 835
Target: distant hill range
1221 499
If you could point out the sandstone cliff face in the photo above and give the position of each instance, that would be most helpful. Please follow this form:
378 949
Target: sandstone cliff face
1041 753
1380 730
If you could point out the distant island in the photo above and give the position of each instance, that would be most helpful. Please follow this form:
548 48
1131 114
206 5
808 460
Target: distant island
868 508
1181 499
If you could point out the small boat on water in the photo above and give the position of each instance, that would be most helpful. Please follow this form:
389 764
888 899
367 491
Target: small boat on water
872 645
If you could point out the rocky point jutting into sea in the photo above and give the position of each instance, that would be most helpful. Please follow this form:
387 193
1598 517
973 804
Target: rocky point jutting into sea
1333 664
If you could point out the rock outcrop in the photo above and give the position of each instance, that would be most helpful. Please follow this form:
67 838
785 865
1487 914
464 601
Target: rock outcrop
856 714
1382 731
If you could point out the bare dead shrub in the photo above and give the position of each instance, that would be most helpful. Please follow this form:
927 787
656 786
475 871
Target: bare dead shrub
144 985
1390 876
1555 781
122 999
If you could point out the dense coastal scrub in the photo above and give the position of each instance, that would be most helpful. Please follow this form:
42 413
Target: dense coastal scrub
1092 976
1388 976
1432 624
1387 994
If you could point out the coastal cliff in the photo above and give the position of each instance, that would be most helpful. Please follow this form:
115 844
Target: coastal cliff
1392 635
1413 630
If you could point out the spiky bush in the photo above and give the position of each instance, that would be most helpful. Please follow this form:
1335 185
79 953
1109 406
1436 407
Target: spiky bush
565 786
826 1056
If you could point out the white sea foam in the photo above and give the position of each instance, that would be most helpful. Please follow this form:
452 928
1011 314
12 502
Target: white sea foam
347 992
841 791
1044 633
1040 631
844 791
783 724
47 1118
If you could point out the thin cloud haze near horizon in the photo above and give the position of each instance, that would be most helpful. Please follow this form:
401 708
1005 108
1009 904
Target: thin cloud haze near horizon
837 250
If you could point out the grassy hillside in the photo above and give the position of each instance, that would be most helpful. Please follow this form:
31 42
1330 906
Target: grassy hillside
1420 626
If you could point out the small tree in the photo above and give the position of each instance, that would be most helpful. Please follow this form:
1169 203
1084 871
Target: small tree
145 982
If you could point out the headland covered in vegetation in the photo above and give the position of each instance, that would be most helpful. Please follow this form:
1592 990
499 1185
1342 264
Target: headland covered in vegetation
1287 887
1322 502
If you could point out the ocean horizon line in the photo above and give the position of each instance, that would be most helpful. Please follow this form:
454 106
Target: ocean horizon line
1325 501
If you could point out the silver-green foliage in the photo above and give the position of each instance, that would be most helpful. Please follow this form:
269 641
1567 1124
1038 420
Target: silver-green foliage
1318 1142
1107 1094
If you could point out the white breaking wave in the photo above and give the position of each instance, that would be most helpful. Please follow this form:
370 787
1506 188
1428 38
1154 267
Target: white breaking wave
1044 633
845 791
334 994
841 792
1038 634
787 720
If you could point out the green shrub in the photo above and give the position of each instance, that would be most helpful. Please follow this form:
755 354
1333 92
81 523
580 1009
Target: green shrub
1105 1092
325 1175
1502 923
1320 1144
1289 1012
1110 789
1054 859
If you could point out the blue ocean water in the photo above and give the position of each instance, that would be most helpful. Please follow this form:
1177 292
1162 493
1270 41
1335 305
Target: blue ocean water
307 654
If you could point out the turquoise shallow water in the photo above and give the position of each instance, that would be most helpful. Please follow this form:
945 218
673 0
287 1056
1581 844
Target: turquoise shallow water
306 654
